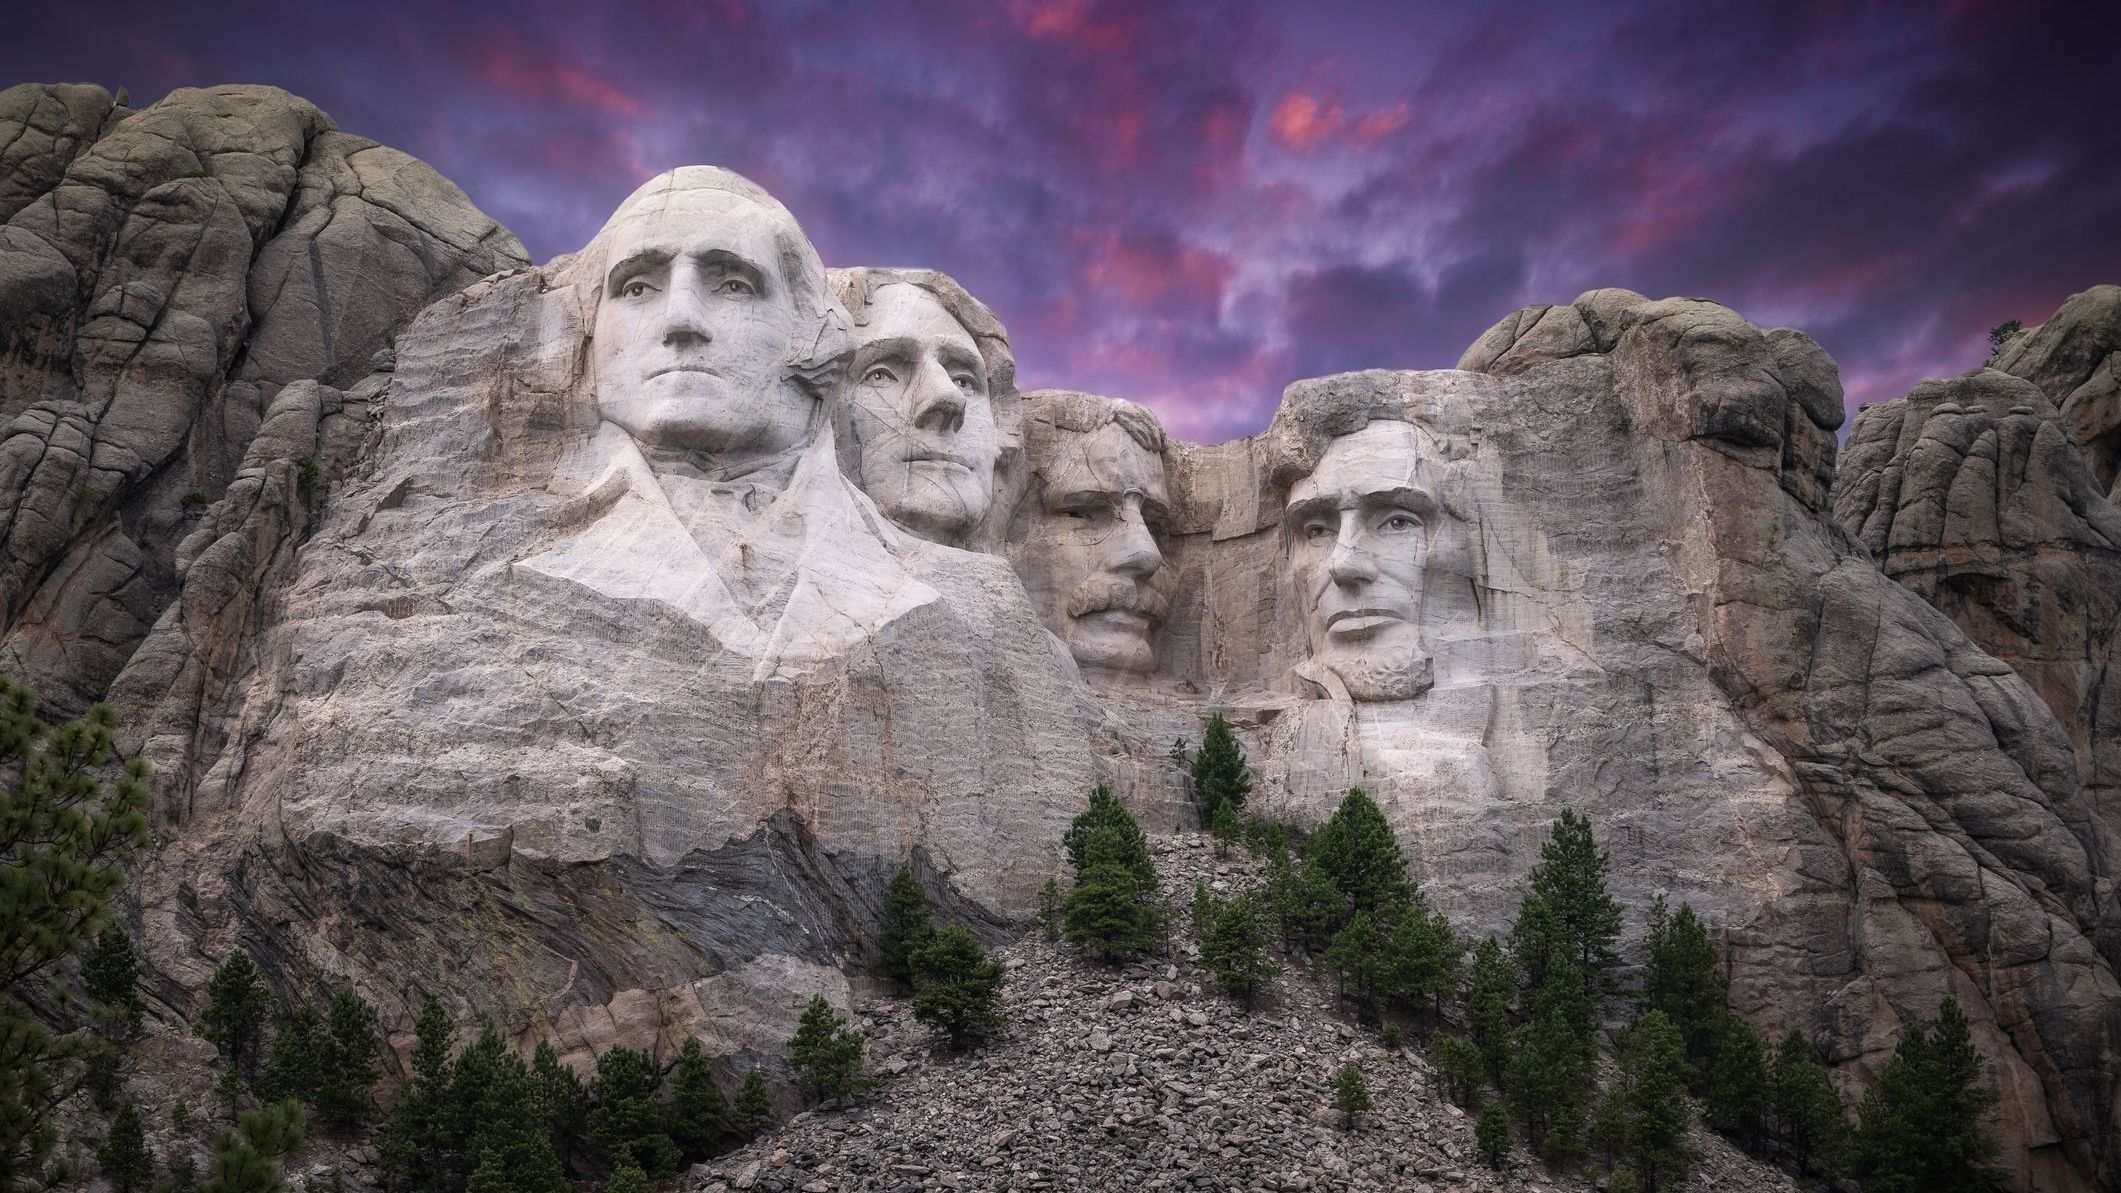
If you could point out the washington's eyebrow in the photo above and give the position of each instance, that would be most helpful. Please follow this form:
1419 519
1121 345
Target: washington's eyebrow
634 263
731 262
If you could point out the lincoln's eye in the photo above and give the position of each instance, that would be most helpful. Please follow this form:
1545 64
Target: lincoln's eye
1317 530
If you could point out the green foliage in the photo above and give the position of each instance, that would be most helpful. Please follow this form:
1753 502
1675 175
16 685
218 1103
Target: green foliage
1311 909
1357 959
1552 1060
1110 912
295 1066
236 1007
505 1141
699 1118
909 920
183 1174
1740 1091
111 977
1351 1095
958 988
64 837
1653 1093
1491 1134
626 1122
1106 812
123 1158
308 477
1423 958
1392 1037
1607 1133
1220 781
1567 913
1202 912
1266 838
1049 909
1356 849
826 1053
418 1142
1234 947
1489 992
563 1101
1461 1068
346 1069
247 1159
1807 1112
754 1107
1681 981
628 1179
1224 826
1919 1125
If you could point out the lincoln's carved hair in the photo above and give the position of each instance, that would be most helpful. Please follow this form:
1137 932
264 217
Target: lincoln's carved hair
1051 413
856 289
1316 412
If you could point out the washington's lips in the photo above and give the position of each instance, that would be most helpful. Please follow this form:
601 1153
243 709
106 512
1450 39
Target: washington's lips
681 368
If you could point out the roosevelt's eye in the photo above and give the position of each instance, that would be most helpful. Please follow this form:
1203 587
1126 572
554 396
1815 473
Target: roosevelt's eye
879 375
636 288
735 286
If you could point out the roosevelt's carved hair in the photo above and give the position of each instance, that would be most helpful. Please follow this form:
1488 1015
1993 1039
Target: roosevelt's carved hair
1051 413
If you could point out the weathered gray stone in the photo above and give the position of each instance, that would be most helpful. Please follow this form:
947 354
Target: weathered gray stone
2075 359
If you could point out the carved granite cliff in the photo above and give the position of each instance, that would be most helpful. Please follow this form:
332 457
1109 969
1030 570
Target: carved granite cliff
616 626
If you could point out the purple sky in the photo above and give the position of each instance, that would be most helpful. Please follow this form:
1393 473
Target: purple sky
1193 204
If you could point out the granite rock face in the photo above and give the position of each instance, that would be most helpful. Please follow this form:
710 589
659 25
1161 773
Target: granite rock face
163 274
590 649
2075 359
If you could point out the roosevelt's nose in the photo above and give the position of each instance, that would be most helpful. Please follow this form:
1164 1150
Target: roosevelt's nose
1133 548
938 404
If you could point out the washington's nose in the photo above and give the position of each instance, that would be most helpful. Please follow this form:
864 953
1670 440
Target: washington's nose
938 404
685 320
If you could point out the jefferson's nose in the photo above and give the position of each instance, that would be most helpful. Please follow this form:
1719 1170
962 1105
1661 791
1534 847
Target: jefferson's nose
938 404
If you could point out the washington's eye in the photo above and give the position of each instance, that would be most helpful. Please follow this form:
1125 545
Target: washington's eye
635 288
879 375
735 286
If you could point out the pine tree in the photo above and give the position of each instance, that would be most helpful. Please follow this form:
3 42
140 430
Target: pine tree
1109 911
123 1158
1351 1095
1202 913
1491 1134
346 1071
754 1107
625 1120
1219 777
958 988
826 1053
699 1118
1807 1111
1919 1127
1049 909
236 1006
628 1179
1489 992
1552 1060
183 1174
1461 1068
64 838
1356 848
247 1160
1740 1091
111 975
909 920
1234 948
295 1066
415 1145
1567 912
1311 909
1357 958
1224 828
1681 980
1653 1074
563 1101
1106 812
506 1142
1607 1133
1423 959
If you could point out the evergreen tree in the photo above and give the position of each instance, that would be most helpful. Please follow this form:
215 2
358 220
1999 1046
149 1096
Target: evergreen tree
563 1101
347 1062
1234 948
1351 1095
415 1145
1219 777
699 1118
1202 913
1132 850
236 1006
1567 912
183 1174
1607 1133
826 1053
123 1157
958 988
1224 827
1807 1111
1109 911
506 1142
1049 909
626 1121
1461 1068
1552 1060
754 1107
111 975
1919 1128
909 921
1423 959
1357 850
247 1160
295 1066
1491 1134
1740 1092
64 838
1357 958
1311 909
1681 980
628 1179
1489 991
1653 1078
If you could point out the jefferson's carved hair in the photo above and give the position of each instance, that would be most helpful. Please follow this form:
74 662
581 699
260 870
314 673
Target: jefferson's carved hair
856 290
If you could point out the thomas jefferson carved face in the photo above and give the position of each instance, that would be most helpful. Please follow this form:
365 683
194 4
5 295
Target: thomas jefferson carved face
696 327
919 418
1088 549
1359 530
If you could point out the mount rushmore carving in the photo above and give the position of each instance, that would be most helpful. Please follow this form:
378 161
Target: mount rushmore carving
615 627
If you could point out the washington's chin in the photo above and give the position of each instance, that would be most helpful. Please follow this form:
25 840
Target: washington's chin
1114 639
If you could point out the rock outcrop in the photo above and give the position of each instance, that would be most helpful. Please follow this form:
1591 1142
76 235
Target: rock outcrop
2075 359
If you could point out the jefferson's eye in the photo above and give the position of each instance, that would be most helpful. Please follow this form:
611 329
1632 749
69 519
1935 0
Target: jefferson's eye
879 375
967 382
735 286
635 288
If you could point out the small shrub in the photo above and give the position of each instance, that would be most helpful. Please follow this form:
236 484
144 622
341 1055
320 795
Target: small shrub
1351 1095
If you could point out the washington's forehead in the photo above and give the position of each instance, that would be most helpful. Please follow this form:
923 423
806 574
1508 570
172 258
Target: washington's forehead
900 309
691 220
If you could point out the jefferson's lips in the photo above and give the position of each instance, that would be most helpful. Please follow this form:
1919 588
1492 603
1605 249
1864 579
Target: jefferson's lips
936 457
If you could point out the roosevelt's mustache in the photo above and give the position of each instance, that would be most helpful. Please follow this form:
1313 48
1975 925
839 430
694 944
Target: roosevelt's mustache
1100 594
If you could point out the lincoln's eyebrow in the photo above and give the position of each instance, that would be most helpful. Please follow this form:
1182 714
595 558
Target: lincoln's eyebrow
1310 507
1420 501
632 264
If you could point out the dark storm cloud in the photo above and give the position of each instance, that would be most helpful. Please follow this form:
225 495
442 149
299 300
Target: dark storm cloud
1193 204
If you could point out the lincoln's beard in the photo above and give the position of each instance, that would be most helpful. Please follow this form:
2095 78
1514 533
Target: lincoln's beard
1399 672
